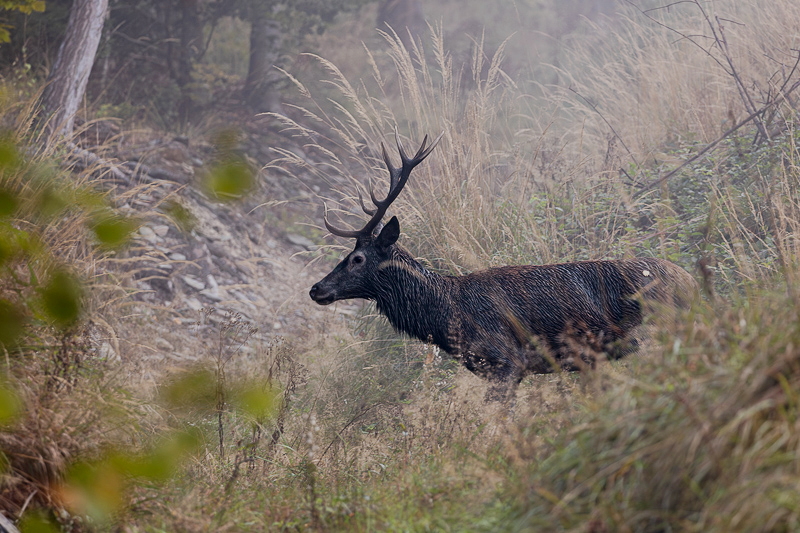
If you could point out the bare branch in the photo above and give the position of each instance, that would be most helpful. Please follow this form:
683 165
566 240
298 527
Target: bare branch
701 153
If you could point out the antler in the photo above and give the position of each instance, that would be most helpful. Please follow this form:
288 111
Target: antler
397 180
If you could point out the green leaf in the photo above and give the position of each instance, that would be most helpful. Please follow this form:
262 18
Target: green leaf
112 230
8 203
37 522
230 180
182 217
9 154
163 461
257 400
62 299
10 404
194 389
50 202
12 323
94 489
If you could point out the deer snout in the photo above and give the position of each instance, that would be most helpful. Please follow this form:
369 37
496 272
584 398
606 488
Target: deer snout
318 295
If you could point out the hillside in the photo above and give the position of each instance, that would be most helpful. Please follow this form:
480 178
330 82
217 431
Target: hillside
166 370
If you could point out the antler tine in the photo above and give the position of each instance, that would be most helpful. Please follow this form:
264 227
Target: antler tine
400 148
366 209
372 195
421 148
397 180
350 234
423 152
394 173
386 158
420 155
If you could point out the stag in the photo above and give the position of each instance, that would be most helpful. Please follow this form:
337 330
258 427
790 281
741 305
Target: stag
502 323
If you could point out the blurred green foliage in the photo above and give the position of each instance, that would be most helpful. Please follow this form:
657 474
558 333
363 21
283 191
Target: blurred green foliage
232 176
37 522
194 389
112 229
23 6
62 298
38 204
258 400
198 390
180 215
12 322
99 489
230 179
10 403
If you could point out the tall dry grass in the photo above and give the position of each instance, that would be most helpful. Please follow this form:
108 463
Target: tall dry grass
557 173
660 80
697 433
58 235
700 436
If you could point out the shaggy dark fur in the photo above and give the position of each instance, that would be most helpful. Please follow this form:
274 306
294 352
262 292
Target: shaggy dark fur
504 323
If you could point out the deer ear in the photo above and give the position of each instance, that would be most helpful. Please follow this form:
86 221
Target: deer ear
389 234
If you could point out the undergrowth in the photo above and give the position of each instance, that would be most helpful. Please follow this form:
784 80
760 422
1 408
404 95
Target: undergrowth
642 148
702 435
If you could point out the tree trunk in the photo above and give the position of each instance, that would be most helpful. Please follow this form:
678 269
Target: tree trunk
265 42
191 48
67 81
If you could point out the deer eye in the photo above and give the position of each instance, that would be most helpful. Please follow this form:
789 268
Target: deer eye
358 259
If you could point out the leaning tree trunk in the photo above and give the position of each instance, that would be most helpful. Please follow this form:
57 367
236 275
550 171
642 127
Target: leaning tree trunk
67 82
191 39
265 42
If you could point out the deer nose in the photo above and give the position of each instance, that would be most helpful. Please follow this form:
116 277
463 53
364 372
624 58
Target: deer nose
313 291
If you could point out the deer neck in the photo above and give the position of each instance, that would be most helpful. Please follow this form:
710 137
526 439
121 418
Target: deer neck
416 301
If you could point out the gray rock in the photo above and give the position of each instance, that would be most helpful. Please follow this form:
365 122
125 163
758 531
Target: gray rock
212 294
299 240
107 352
194 283
161 230
193 304
164 344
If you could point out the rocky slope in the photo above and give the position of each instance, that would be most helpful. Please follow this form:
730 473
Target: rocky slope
256 257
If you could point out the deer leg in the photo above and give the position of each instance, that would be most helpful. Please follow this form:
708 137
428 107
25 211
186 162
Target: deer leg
504 392
504 384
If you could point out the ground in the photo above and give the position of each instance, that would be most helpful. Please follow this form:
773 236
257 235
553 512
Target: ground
257 256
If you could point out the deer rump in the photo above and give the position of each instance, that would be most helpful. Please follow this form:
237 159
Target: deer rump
512 321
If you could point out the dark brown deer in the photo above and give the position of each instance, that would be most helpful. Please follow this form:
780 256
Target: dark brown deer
506 322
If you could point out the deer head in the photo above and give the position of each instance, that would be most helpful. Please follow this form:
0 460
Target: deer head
356 276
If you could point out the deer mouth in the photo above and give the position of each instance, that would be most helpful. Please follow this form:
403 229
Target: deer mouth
322 299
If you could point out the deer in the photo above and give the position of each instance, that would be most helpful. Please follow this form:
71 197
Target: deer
506 322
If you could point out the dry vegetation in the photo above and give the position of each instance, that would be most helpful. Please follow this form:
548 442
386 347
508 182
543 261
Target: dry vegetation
361 431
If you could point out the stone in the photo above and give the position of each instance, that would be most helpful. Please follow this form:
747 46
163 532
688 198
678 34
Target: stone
164 344
194 282
212 294
107 352
193 304
299 240
161 230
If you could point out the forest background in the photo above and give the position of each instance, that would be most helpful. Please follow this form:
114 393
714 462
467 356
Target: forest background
163 171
